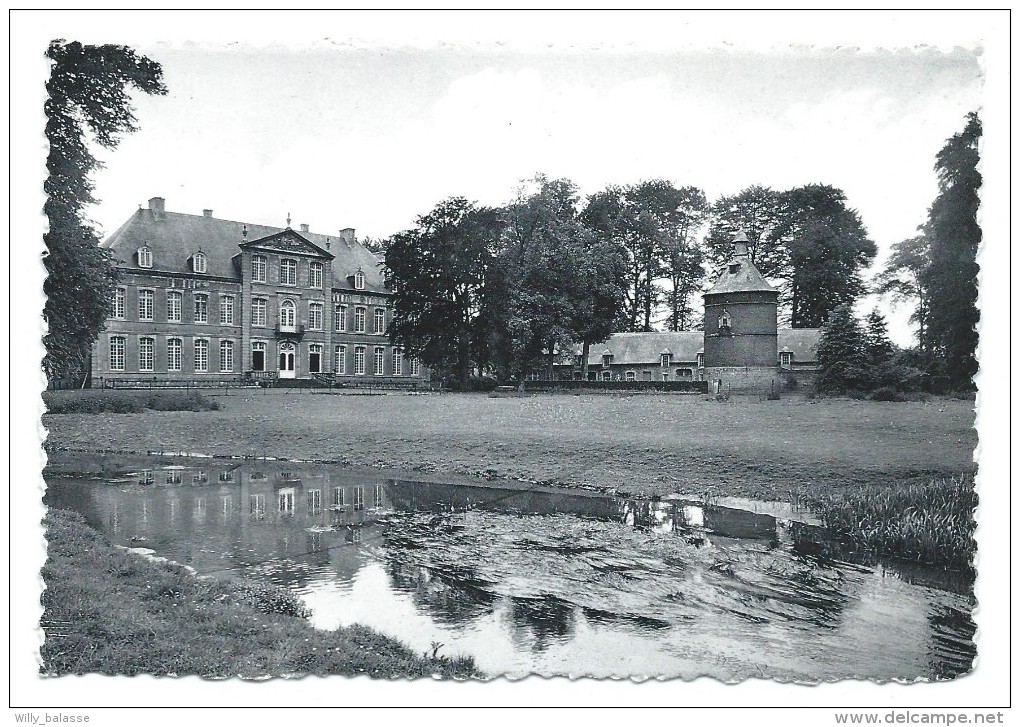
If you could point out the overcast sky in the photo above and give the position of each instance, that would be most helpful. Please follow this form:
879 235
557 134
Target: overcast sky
372 135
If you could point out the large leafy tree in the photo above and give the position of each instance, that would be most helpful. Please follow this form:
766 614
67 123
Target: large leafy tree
554 282
437 272
902 280
828 248
951 276
760 212
88 103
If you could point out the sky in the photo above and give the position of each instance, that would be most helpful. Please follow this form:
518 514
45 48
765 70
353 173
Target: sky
371 135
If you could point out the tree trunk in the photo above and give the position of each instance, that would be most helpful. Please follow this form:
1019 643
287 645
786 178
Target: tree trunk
584 360
552 360
464 356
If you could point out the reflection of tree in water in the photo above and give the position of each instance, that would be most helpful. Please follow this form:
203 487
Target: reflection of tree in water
540 622
951 651
63 494
450 598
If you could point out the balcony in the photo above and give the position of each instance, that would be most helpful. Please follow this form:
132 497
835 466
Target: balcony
292 331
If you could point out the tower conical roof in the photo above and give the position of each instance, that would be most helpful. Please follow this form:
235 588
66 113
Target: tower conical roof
740 275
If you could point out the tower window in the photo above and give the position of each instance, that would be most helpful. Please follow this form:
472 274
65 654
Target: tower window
734 268
724 320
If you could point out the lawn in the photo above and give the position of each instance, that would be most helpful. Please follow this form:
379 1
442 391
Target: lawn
641 444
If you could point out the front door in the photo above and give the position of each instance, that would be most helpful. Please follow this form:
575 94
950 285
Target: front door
287 351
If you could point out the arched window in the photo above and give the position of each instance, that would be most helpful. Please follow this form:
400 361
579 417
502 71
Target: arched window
144 257
724 320
198 262
359 280
287 315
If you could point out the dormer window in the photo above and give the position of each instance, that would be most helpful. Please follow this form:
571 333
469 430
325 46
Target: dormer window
198 262
607 359
786 359
701 360
359 280
724 321
665 358
734 268
145 257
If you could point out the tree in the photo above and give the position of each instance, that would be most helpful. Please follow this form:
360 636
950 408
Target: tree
902 279
554 282
759 212
877 345
828 248
437 273
88 102
842 361
951 275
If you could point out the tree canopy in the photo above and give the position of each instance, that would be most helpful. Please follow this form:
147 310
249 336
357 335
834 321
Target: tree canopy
88 101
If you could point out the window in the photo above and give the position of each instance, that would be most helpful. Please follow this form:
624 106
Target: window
145 257
287 309
684 373
226 476
606 376
173 306
288 272
201 308
338 497
398 362
646 375
258 268
146 353
314 358
415 367
315 316
786 358
315 275
631 376
286 500
359 498
734 268
145 304
724 320
117 353
226 310
607 360
118 303
379 362
257 506
380 320
258 356
701 361
258 311
201 356
378 496
173 477
359 360
359 320
173 354
199 477
198 262
340 360
226 356
339 318
664 359
359 280
314 501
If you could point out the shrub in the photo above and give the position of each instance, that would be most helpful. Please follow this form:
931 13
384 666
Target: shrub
887 393
483 384
125 402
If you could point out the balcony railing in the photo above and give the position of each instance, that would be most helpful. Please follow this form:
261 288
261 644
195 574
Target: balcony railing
296 330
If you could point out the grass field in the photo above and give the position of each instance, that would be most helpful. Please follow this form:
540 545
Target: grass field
640 444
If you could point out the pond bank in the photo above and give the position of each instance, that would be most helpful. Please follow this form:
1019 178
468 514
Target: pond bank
110 611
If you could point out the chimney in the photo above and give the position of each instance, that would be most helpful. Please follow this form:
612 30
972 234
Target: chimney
347 235
158 207
304 227
207 213
740 243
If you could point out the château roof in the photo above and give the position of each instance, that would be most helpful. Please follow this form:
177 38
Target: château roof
175 237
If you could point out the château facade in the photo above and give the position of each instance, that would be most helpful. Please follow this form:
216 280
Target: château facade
207 300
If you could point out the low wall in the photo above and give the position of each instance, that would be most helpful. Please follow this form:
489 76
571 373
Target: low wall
687 387
743 379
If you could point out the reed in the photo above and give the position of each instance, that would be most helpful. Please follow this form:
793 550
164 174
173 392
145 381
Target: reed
930 522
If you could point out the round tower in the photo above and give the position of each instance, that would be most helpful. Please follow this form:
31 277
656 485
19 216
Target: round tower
741 350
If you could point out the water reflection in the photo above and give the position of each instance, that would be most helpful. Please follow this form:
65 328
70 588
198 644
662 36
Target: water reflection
540 580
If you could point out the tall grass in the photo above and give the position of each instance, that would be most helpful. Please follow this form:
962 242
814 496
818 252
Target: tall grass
112 612
930 522
89 401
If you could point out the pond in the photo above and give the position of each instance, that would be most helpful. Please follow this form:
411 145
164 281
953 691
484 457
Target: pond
539 581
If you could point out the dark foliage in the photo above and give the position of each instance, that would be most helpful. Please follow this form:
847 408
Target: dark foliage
125 402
